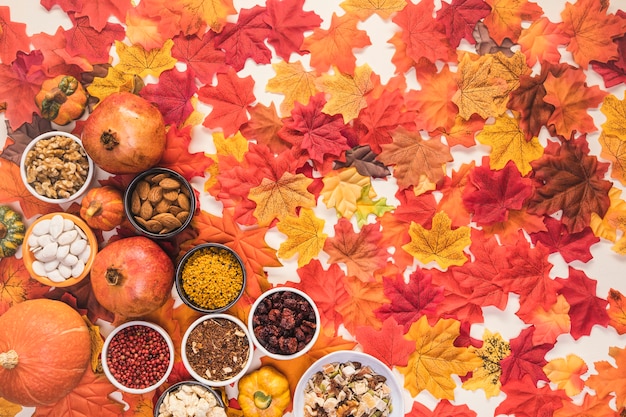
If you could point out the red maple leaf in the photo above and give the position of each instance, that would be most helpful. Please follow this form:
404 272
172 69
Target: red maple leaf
458 301
409 302
230 99
172 95
613 72
571 246
98 12
326 288
56 59
443 409
460 17
245 39
387 344
84 299
19 84
424 36
526 359
13 36
571 180
313 133
83 40
524 399
202 57
381 116
586 308
361 252
490 194
288 23
178 157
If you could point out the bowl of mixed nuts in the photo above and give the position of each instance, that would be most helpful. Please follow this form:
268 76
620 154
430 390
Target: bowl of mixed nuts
55 167
190 398
159 203
284 323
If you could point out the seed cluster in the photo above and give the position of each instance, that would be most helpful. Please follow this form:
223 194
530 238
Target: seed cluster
138 357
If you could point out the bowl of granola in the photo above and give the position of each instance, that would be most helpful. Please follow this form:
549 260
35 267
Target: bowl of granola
55 167
351 382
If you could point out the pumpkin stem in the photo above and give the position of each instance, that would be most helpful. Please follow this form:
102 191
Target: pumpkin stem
262 400
8 360
113 276
3 231
109 140
94 208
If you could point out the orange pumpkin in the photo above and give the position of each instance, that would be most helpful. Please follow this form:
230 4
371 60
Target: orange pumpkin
103 208
45 349
61 99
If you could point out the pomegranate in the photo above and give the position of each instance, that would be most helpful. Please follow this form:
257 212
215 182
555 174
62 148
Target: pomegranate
132 277
125 134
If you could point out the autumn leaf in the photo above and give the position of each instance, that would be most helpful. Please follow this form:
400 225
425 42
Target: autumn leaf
13 37
333 46
387 344
487 375
460 17
413 157
114 81
8 409
571 246
288 23
342 190
363 299
436 358
452 200
16 284
230 98
606 380
139 405
366 206
506 17
202 57
172 95
347 92
366 8
549 322
566 373
591 32
136 60
527 359
540 41
279 199
591 405
443 409
82 39
361 251
440 243
144 30
572 98
294 82
197 14
305 236
178 157
56 59
617 311
527 399
508 143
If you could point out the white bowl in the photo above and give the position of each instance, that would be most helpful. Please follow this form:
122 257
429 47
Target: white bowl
256 341
79 192
342 356
198 377
107 370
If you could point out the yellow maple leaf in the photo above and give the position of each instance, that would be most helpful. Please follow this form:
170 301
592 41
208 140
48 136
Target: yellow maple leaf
566 373
137 61
294 82
196 117
508 143
305 236
440 244
614 150
606 227
9 409
279 199
347 92
487 375
478 90
115 81
436 358
96 345
508 69
198 13
615 112
342 190
363 9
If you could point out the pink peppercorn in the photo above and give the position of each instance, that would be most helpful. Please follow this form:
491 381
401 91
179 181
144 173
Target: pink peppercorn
138 357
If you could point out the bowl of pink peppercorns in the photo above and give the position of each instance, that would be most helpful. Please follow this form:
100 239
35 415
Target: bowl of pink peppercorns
137 357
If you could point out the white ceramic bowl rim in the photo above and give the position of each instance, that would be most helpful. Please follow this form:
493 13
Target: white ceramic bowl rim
258 344
118 329
352 355
197 376
81 190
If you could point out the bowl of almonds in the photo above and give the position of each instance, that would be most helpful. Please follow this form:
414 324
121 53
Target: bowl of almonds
159 203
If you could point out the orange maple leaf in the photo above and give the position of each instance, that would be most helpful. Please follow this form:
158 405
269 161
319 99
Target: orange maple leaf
540 41
16 284
566 373
414 157
508 231
279 199
591 406
549 324
572 99
617 311
609 380
436 358
333 47
144 30
452 200
358 309
591 31
506 17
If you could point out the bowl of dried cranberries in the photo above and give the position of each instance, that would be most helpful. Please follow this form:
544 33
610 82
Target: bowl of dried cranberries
137 357
284 323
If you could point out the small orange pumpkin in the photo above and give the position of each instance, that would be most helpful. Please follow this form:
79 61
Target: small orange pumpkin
103 208
45 349
61 99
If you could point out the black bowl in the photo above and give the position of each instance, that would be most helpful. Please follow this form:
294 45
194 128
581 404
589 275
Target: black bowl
176 386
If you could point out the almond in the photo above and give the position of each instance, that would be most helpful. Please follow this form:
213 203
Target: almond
162 206
155 179
146 210
155 195
153 226
143 188
170 195
183 201
168 220
135 202
182 216
174 209
169 184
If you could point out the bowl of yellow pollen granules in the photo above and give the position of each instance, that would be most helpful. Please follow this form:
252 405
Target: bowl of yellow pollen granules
210 278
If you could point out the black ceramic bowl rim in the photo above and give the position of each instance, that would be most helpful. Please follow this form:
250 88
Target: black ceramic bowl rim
175 386
129 191
179 279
